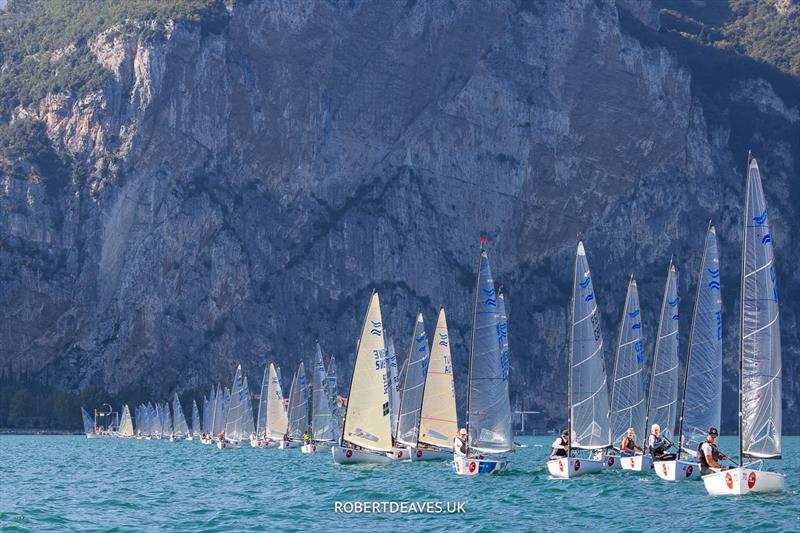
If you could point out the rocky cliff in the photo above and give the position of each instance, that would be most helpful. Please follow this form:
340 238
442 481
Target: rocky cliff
232 195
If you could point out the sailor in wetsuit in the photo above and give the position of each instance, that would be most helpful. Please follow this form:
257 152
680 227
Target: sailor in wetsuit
709 456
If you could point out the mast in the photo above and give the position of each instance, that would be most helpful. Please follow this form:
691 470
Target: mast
569 357
741 301
472 339
655 353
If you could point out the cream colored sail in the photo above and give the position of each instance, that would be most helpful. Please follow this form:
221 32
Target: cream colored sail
277 419
126 425
438 421
367 423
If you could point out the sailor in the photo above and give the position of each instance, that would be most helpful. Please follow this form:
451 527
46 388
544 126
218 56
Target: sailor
306 438
708 455
460 443
221 435
659 445
629 445
560 445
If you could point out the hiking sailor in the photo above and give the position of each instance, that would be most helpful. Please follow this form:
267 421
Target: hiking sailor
658 445
460 443
629 446
709 456
560 445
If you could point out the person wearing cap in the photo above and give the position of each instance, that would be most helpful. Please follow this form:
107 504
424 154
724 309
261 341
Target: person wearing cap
659 445
460 443
709 456
628 447
560 446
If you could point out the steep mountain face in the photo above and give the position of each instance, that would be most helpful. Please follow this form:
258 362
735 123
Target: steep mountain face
234 195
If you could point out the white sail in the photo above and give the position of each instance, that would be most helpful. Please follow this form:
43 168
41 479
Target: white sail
298 405
702 397
195 419
588 392
126 423
438 419
662 405
488 404
218 422
247 426
628 409
155 419
413 385
367 422
261 418
333 392
88 423
321 416
179 425
277 419
760 342
395 385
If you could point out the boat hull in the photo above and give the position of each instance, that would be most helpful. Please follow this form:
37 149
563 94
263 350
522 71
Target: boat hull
572 467
612 462
422 454
286 444
350 456
637 463
206 441
677 470
228 444
308 448
473 466
742 480
399 454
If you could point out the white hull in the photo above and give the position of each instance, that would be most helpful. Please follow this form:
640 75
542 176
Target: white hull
472 466
398 454
677 470
207 441
568 468
430 455
612 462
189 437
225 444
738 481
637 463
286 444
348 456
308 448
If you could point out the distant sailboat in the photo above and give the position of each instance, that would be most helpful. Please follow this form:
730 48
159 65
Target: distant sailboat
413 385
298 410
258 440
179 426
438 419
333 392
628 408
587 393
88 424
126 423
234 430
488 404
367 432
760 410
195 422
701 402
277 419
322 428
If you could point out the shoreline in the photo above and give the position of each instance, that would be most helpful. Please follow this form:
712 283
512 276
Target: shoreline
16 431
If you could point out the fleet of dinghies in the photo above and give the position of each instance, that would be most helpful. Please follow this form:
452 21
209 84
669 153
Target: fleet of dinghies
403 412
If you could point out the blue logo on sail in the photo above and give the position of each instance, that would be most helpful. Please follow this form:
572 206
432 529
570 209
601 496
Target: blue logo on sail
376 328
585 282
634 314
714 273
762 218
766 239
636 326
589 297
674 317
714 284
673 303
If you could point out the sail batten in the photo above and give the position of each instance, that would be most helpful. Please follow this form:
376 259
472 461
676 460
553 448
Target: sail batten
760 342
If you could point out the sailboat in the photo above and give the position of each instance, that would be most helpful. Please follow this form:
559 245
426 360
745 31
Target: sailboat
438 420
298 411
413 386
488 404
701 402
662 401
195 422
126 423
587 421
277 419
367 433
395 379
234 418
88 424
322 429
759 356
179 425
628 409
209 412
333 391
258 439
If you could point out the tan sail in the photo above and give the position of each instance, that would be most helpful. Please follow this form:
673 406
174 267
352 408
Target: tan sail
126 425
367 423
438 421
277 419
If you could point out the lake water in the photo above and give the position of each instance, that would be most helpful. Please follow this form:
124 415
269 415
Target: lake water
60 483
